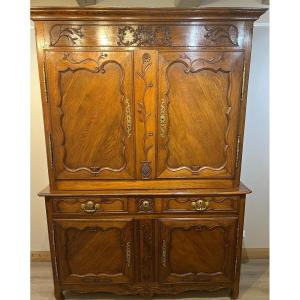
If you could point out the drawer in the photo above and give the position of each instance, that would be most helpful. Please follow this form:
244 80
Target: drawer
91 205
200 204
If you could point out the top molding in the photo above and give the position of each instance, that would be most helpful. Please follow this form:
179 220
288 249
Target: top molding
145 14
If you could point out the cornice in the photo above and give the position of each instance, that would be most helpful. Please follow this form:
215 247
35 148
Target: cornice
145 14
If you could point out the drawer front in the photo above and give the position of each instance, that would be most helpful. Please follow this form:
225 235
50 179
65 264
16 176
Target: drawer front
87 34
200 204
88 206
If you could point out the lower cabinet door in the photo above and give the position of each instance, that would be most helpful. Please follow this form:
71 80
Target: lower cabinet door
94 251
197 250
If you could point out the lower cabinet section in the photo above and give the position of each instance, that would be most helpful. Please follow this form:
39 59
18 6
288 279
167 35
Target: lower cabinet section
145 252
194 250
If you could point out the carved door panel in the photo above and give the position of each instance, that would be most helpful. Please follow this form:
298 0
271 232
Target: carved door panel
94 251
197 250
199 104
90 95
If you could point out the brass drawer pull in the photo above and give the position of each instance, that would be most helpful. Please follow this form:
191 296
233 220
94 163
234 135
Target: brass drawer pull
199 204
90 207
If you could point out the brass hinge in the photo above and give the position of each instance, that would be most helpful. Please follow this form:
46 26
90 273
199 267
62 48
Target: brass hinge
237 152
55 260
50 150
45 83
164 253
128 254
243 82
237 248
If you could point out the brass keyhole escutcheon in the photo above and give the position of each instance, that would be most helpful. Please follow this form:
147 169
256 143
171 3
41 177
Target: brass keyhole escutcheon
199 204
90 206
146 204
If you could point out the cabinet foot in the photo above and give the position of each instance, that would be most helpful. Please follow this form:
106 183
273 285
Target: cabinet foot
59 295
235 293
146 295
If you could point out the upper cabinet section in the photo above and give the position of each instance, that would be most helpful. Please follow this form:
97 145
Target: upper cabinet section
144 98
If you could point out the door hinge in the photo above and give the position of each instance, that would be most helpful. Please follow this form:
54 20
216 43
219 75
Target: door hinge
45 83
128 254
164 253
243 82
237 152
50 150
55 259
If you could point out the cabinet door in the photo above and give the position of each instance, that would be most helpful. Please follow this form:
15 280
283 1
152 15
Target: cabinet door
90 95
197 250
199 103
93 251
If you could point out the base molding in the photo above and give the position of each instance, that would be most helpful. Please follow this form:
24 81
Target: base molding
248 253
40 256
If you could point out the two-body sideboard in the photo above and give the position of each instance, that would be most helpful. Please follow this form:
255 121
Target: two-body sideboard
144 113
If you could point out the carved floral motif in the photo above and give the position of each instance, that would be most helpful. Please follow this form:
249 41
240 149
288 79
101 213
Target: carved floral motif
145 164
144 35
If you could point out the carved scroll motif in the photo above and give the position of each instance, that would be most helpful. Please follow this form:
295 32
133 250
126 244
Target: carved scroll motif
144 35
219 33
71 33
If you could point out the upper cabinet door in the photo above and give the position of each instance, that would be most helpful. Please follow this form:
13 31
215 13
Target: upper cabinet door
91 102
198 109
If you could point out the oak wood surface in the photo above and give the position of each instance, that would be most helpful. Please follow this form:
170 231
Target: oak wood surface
144 113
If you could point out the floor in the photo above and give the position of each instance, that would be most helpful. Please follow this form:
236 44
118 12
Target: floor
254 285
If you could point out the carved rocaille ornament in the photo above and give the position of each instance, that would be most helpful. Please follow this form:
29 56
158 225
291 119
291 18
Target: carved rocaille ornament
144 35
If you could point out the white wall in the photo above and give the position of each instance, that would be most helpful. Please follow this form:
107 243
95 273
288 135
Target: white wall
255 165
38 160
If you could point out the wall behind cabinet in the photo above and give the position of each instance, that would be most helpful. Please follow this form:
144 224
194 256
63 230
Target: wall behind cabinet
255 167
255 158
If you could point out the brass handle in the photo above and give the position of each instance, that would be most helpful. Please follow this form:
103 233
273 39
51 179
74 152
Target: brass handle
200 204
90 207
